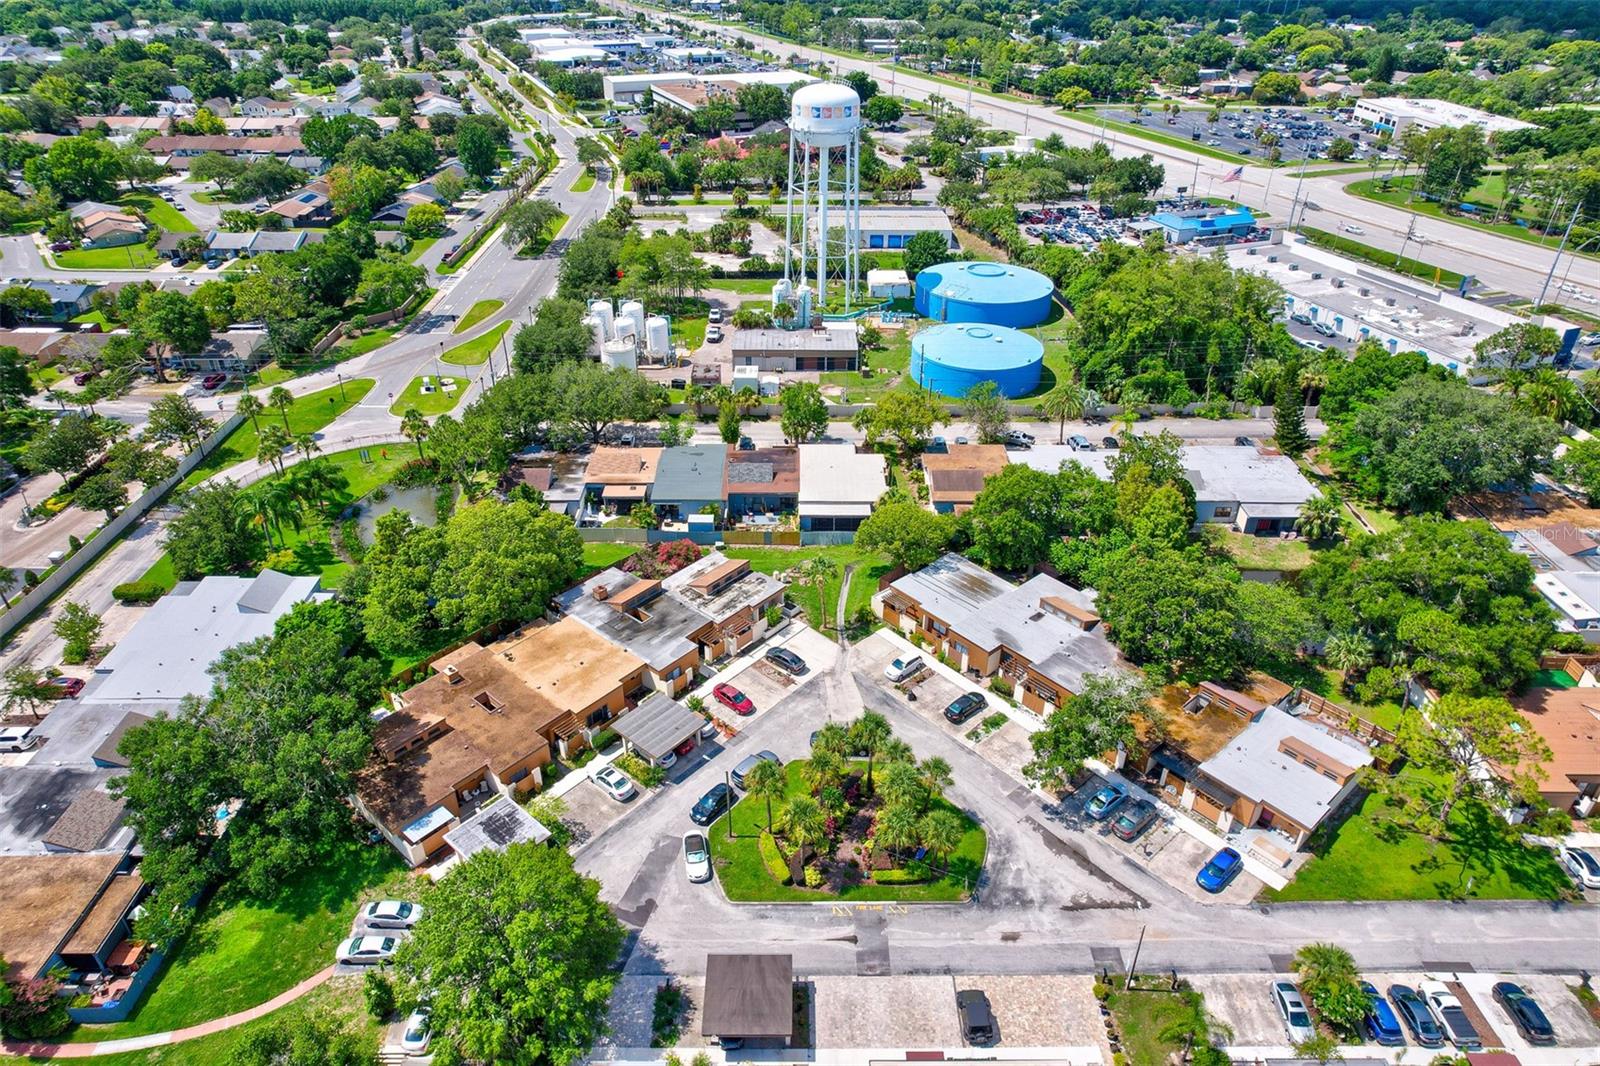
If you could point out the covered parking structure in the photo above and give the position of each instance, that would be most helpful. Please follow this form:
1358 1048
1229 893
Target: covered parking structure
657 726
749 997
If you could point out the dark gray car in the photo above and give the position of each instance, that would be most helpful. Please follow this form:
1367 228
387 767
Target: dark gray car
749 763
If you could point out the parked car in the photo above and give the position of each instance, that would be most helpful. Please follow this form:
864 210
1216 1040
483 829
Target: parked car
977 1020
1110 443
696 858
615 783
685 749
903 669
1583 866
367 950
1381 1025
1300 317
84 377
714 315
667 761
416 1037
749 763
708 730
1292 1009
712 804
965 706
785 659
1104 802
1080 443
17 738
1220 870
64 688
1525 1013
1414 1013
1324 329
1447 1011
391 914
746 444
733 699
1015 438
213 381
938 445
1134 819
713 334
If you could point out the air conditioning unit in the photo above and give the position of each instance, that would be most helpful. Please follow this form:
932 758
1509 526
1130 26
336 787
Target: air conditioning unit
1584 806
1338 283
1316 275
1272 259
1364 291
1388 301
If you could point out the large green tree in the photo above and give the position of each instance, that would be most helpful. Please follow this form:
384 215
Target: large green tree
804 414
910 535
1174 611
503 562
77 168
515 953
1092 723
213 533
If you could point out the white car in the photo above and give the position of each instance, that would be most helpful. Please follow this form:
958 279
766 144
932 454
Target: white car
615 784
1583 866
1357 230
367 950
900 669
1296 1019
696 857
391 914
709 730
667 761
714 315
1447 1011
17 738
417 1036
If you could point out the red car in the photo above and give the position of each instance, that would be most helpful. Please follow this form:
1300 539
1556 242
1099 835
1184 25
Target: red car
213 381
733 699
685 748
83 378
65 688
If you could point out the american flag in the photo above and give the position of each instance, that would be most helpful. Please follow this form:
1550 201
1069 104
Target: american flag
1233 175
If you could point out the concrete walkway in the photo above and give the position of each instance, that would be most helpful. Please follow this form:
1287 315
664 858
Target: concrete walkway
175 1036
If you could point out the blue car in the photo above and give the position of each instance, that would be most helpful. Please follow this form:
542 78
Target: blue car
1103 803
1222 869
1380 1023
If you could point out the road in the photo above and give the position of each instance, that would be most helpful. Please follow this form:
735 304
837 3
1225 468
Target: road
1499 262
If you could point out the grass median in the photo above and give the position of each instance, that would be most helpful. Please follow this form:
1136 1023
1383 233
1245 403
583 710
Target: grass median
477 313
476 351
434 402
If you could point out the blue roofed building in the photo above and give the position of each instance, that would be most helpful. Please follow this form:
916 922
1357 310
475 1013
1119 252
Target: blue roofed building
1181 227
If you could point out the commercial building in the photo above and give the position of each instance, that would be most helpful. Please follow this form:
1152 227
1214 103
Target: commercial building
631 88
1356 302
801 350
168 653
1205 225
952 358
839 487
991 293
956 476
889 228
1043 636
1395 113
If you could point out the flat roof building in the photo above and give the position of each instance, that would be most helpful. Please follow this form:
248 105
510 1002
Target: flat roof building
1395 113
1208 225
887 228
797 351
630 88
749 997
689 479
839 487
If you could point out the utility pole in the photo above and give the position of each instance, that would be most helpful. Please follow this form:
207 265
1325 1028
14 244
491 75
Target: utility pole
1134 965
1562 247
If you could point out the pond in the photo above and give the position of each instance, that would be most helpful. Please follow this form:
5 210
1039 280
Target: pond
417 500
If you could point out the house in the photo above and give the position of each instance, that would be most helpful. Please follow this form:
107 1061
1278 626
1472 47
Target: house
71 910
126 125
763 481
185 146
91 822
1568 720
956 476
839 487
1043 636
110 229
484 725
310 206
618 478
734 597
222 245
265 107
432 103
495 827
1575 594
169 651
689 481
67 299
800 350
1190 726
269 126
233 352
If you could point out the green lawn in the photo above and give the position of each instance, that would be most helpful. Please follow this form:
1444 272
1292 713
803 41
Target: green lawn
94 318
477 313
160 213
128 257
888 365
244 951
585 181
1395 191
1260 553
418 246
308 414
1142 1015
599 555
744 877
476 351
161 573
436 402
804 593
743 286
1366 859
1416 268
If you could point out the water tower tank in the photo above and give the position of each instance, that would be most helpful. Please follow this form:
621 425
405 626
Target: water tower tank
620 353
630 320
825 114
597 328
601 309
657 336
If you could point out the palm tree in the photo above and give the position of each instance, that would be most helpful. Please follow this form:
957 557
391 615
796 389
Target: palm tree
280 400
896 829
869 733
765 781
1065 401
8 584
270 446
936 776
896 750
415 427
271 504
802 822
251 408
1348 653
818 570
832 739
1125 421
1320 517
941 832
1550 393
1324 966
1193 1024
306 444
900 785
824 768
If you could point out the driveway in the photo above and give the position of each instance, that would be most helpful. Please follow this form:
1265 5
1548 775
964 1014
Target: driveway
767 685
1243 1002
1039 1011
885 1012
590 811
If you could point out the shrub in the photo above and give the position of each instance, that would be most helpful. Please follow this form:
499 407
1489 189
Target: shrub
379 991
899 877
418 472
813 877
604 739
774 616
1101 991
139 592
646 774
1001 687
772 858
665 1015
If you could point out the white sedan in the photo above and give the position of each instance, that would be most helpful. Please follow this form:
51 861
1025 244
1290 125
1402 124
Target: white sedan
391 914
615 784
367 950
696 858
1583 866
417 1036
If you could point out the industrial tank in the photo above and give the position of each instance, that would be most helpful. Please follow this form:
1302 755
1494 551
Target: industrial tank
657 337
620 353
630 320
825 114
994 293
952 357
601 309
597 330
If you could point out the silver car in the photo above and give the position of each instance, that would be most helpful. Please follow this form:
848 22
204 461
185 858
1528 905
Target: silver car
614 783
696 858
1296 1018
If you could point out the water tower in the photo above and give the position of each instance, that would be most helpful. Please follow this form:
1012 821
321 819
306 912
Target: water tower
824 191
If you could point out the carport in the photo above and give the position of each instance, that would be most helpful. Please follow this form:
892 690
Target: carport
749 997
656 726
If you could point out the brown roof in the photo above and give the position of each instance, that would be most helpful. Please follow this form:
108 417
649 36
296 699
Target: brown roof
104 915
720 572
223 143
45 895
398 792
955 486
1198 735
1569 721
765 470
106 754
571 665
622 466
535 477
749 996
1070 609
1568 538
86 822
1307 753
30 342
957 474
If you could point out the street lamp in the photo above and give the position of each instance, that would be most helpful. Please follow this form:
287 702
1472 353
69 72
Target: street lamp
340 376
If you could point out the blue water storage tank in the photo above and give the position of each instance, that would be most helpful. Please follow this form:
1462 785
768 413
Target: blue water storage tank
952 357
994 293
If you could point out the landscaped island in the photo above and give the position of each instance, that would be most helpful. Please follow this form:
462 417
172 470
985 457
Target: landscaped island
861 819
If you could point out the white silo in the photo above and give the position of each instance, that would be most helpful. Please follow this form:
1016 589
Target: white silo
630 321
620 353
782 292
597 329
601 309
657 337
825 118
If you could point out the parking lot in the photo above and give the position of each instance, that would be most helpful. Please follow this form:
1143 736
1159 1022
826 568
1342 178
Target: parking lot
767 685
1302 133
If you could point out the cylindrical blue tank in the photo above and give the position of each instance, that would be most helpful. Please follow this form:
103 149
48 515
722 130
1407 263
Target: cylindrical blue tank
952 357
995 293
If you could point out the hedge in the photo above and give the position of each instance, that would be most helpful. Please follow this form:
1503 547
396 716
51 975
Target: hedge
899 877
776 867
139 592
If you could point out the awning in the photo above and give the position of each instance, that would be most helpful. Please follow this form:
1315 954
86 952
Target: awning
1270 510
835 510
624 492
658 725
